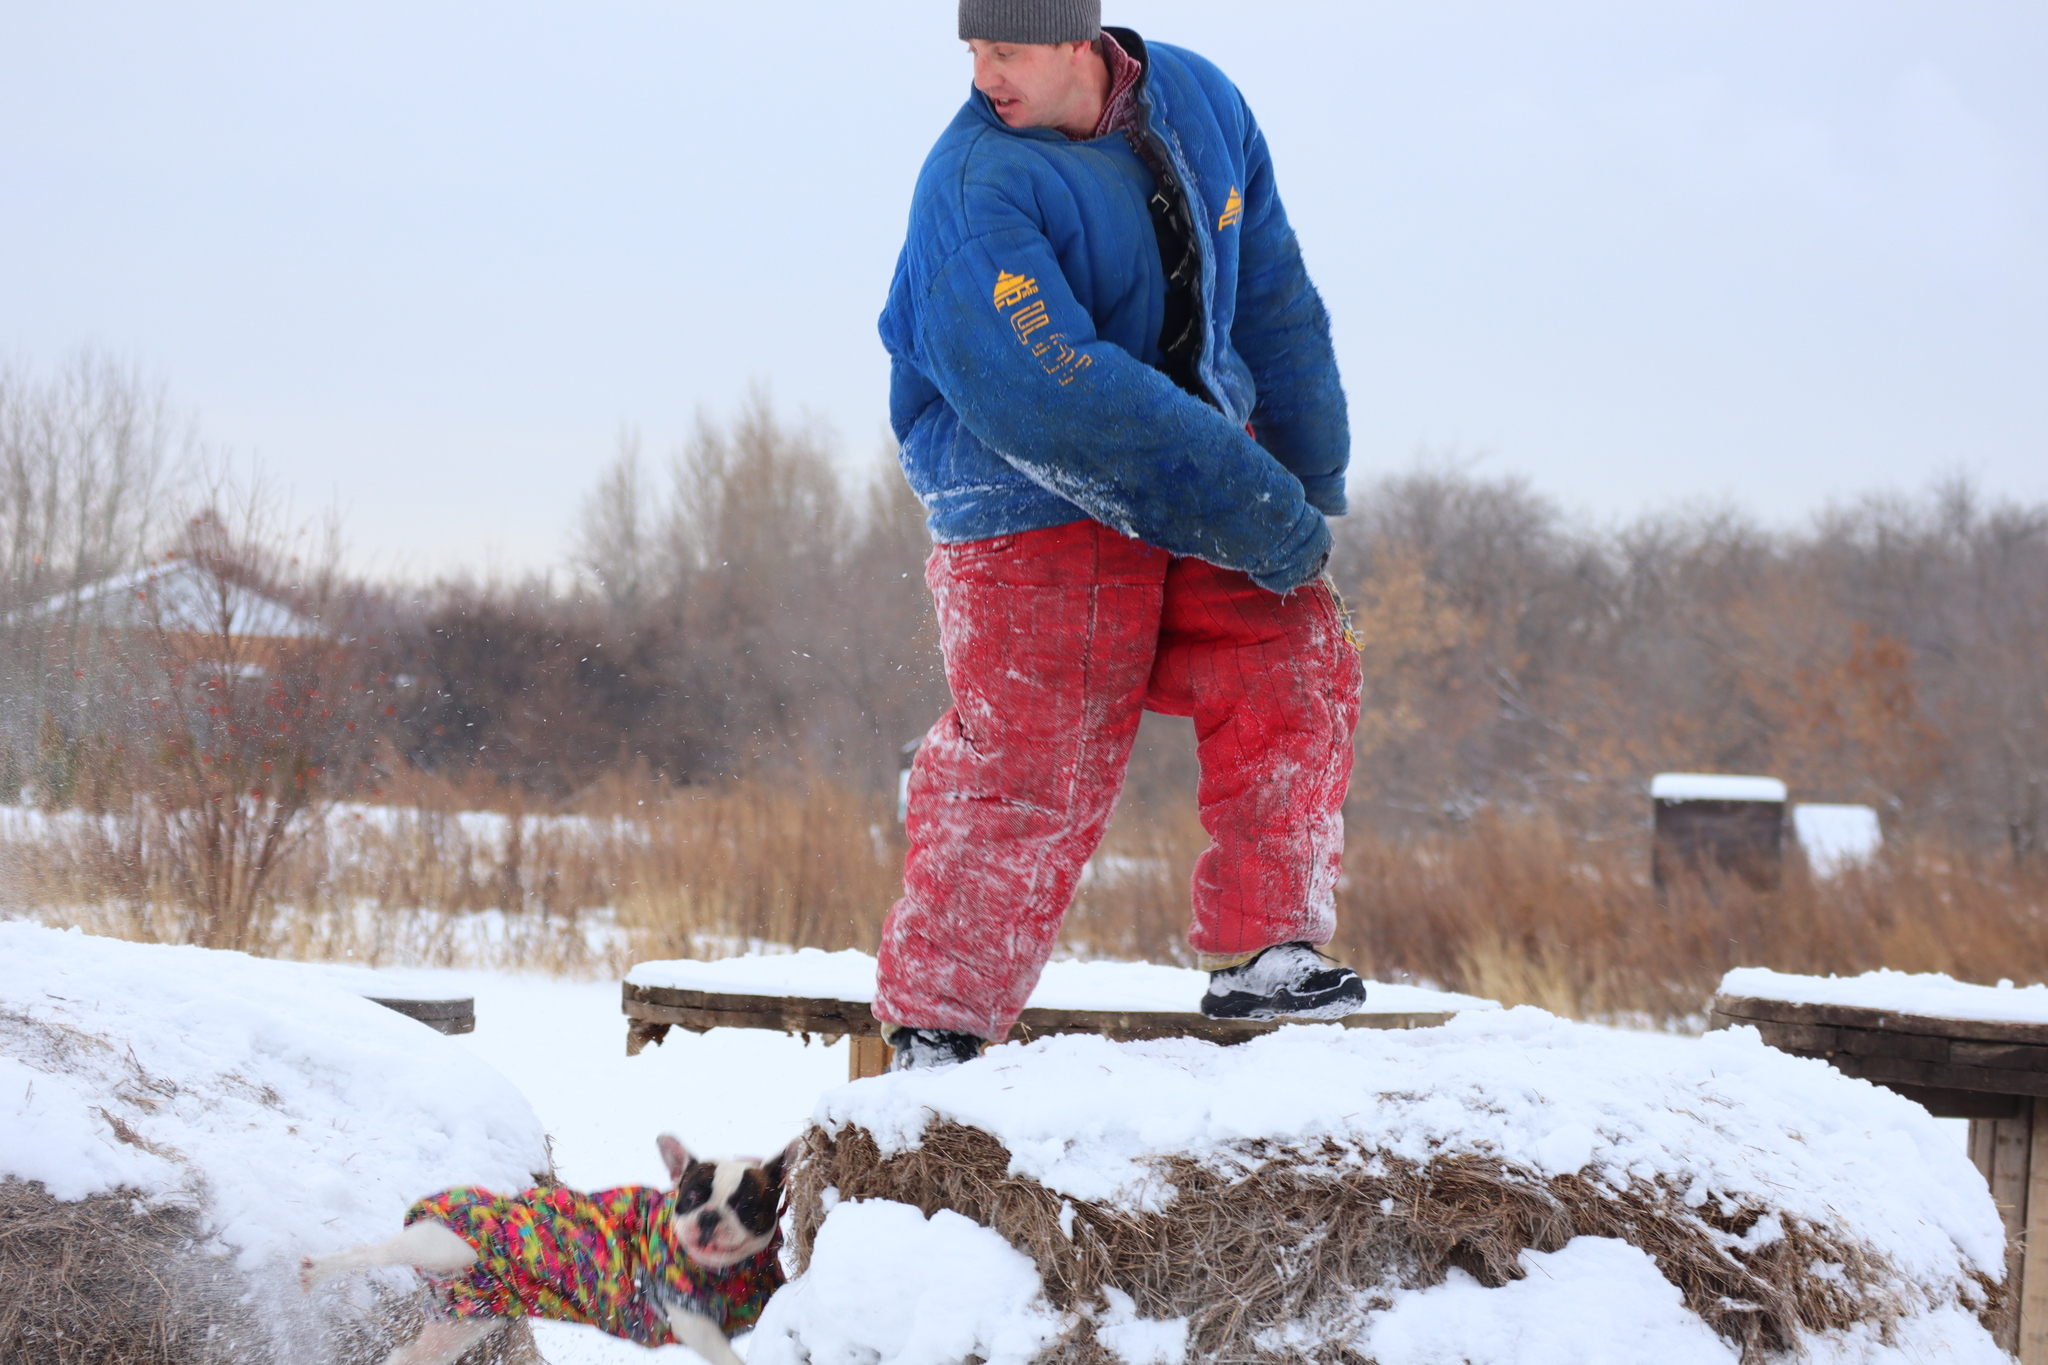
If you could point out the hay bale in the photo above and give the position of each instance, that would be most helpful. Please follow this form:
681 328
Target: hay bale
111 1278
189 1124
1134 1179
1297 1235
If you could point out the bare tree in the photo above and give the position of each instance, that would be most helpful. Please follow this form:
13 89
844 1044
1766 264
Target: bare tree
89 456
616 539
253 705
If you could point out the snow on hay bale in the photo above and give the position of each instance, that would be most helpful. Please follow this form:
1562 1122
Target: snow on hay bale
179 1126
1510 1187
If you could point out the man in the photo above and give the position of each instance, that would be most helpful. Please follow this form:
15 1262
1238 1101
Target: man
1115 394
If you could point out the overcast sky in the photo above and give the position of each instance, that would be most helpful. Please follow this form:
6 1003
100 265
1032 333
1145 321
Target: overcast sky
424 259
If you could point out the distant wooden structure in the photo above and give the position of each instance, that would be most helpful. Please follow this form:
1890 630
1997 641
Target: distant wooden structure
1993 1074
1731 824
651 1011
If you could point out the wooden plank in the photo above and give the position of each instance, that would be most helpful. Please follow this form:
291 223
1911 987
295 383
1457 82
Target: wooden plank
702 1010
2002 1150
1887 1070
1975 1105
1750 1009
1804 1038
866 1057
1128 1026
443 1016
1913 1047
1980 1147
2033 1282
2005 1056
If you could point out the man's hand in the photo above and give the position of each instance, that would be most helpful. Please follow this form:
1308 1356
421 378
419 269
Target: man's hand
1302 570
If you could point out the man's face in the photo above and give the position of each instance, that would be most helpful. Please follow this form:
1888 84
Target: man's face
1034 85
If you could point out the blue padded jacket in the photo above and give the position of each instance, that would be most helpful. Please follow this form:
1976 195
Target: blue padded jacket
1023 325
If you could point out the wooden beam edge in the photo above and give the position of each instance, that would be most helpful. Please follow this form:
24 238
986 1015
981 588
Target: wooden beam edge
1744 1009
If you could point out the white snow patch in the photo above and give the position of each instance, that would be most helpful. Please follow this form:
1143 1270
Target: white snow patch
296 1114
1835 837
1928 994
1139 1341
1595 1301
1714 787
1133 986
887 1286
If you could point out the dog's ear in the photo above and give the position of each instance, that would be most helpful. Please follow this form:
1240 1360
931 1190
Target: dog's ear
674 1155
775 1167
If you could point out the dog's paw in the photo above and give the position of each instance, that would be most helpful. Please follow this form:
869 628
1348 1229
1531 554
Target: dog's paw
310 1273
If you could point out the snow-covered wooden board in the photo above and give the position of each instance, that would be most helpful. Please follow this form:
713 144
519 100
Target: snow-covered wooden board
1925 1034
701 1011
829 994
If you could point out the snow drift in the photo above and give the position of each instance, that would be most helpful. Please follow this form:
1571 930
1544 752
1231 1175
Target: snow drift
1318 1194
248 1111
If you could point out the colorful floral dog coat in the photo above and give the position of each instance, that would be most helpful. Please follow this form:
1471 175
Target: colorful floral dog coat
610 1258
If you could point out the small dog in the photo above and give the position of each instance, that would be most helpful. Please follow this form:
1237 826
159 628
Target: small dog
690 1264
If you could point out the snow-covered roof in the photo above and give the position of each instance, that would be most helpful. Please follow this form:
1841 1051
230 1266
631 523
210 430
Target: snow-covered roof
1715 787
1138 987
182 597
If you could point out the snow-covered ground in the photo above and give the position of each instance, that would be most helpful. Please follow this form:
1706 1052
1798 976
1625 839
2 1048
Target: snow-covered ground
363 1094
310 1118
291 1107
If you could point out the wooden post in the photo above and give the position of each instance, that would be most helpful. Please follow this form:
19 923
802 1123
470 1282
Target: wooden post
865 1057
2033 1282
2003 1150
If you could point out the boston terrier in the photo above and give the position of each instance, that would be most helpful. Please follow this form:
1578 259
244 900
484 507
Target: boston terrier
691 1263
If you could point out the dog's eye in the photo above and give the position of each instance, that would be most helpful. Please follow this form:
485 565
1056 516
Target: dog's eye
754 1203
694 1191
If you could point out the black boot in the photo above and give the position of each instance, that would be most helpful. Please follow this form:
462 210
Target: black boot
1292 981
929 1049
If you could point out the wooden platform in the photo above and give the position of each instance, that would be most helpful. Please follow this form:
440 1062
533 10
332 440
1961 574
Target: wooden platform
651 1011
1993 1074
443 1016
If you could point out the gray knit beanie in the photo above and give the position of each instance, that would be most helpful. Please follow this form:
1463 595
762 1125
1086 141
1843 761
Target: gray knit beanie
1031 21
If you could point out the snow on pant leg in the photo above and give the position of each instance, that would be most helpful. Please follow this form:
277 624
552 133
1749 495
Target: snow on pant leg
1048 637
1273 686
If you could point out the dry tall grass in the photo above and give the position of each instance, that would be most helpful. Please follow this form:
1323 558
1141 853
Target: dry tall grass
1519 910
631 871
1522 911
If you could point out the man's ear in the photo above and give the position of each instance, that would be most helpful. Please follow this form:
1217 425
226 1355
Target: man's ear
674 1155
775 1167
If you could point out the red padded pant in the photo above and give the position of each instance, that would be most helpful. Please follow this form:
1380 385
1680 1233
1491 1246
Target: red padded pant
1056 642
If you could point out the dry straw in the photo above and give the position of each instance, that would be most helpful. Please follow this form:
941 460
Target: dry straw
1309 1236
117 1279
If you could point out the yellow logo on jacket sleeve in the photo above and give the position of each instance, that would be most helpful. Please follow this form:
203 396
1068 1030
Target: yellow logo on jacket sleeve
1233 210
1012 289
1054 354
